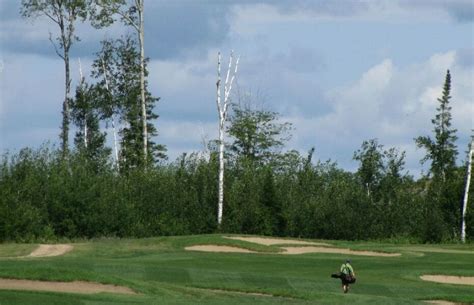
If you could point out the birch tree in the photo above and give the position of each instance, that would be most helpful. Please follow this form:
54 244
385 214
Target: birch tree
466 190
117 70
85 114
131 14
81 82
222 109
64 13
107 88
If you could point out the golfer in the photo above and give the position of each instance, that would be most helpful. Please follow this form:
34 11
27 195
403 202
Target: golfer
346 275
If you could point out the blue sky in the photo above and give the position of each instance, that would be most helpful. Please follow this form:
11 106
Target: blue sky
340 71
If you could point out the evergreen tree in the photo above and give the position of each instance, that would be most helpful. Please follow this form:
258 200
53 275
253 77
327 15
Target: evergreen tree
442 194
441 150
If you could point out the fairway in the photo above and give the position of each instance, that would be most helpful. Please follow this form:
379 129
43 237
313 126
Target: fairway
161 271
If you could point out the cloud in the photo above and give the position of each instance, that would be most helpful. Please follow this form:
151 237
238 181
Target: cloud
393 104
173 30
179 29
458 10
465 57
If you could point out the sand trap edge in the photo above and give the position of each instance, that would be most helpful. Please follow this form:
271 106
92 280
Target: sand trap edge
218 249
307 250
442 302
270 241
449 279
45 250
81 287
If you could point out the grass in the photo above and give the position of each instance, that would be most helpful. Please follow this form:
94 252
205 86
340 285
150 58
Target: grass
163 273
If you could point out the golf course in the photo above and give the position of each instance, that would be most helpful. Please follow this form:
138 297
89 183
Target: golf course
224 269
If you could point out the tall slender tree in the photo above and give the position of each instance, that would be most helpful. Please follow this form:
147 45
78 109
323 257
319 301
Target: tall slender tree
222 109
441 150
117 68
466 189
132 14
89 140
65 14
104 70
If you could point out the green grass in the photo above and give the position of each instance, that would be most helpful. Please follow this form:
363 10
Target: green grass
163 273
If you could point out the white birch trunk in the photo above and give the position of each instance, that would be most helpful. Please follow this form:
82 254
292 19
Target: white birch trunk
116 154
115 143
222 107
81 78
466 191
141 34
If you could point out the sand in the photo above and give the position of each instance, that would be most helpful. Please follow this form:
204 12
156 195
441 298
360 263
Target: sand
449 279
440 302
290 250
216 248
275 241
303 250
72 287
50 250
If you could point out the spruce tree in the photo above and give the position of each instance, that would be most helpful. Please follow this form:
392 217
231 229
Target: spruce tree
442 198
441 150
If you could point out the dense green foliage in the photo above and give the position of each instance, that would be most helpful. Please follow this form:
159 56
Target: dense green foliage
43 197
163 273
267 191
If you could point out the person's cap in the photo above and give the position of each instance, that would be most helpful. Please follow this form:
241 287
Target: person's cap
348 261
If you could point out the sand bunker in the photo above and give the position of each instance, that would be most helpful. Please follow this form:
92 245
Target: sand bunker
449 279
303 250
441 302
72 287
216 248
290 250
275 241
50 250
438 250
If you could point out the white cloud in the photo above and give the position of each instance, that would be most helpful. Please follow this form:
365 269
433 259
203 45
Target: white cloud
393 104
247 17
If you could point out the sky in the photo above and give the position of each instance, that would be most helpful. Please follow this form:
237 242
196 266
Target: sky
340 71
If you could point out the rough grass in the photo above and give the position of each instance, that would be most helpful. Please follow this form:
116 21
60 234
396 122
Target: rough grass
164 273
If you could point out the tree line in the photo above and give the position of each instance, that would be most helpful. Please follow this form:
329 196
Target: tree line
90 190
268 190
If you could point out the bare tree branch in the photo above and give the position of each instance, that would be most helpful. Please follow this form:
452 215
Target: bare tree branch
51 17
55 47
